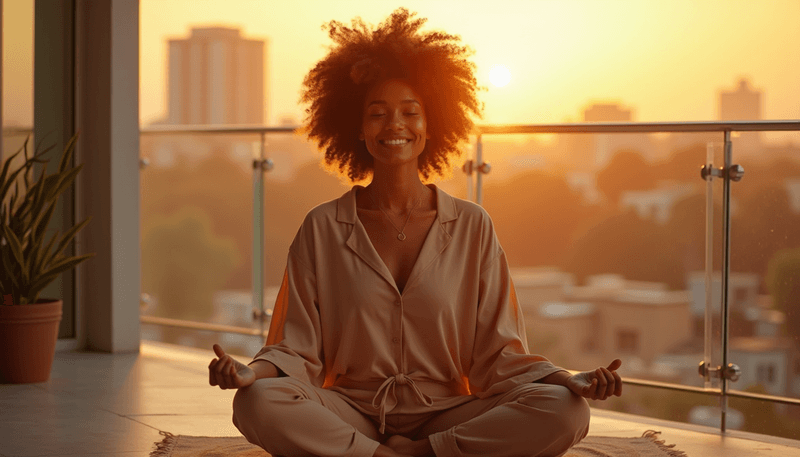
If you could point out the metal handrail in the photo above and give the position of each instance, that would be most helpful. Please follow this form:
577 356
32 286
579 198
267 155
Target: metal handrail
219 328
645 127
600 127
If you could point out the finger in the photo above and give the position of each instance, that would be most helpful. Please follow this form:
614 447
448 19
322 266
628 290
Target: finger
211 371
218 367
615 365
610 384
218 350
602 382
226 373
618 384
236 379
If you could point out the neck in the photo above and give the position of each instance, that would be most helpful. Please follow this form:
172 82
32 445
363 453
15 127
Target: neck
397 189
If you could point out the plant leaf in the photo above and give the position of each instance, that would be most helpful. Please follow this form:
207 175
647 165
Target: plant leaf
69 236
39 263
60 267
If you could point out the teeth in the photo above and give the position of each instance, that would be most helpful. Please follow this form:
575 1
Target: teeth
395 142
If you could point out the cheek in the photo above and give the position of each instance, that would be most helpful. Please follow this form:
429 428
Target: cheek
421 127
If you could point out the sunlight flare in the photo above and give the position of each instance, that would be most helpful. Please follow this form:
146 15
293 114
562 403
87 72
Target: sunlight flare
499 75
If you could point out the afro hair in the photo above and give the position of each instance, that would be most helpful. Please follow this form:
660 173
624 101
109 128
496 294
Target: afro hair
433 63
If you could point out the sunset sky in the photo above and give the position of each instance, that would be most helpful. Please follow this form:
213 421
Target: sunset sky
666 59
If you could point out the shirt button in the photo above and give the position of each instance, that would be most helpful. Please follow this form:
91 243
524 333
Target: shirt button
395 340
398 303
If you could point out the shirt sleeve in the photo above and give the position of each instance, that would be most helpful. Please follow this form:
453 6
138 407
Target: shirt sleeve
294 343
500 358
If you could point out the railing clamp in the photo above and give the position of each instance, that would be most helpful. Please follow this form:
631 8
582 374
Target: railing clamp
265 316
736 172
265 165
731 372
469 167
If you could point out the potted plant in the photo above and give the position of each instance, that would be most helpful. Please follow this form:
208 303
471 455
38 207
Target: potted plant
29 324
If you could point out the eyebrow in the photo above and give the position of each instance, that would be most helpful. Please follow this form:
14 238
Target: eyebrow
383 102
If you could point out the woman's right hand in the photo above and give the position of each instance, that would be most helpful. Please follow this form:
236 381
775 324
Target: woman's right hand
227 373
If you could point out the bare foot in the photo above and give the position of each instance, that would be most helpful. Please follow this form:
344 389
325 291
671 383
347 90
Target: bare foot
406 446
386 451
400 444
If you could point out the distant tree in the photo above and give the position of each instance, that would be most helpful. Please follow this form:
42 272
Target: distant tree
286 205
683 165
627 170
763 224
535 215
184 263
219 186
627 245
783 282
685 233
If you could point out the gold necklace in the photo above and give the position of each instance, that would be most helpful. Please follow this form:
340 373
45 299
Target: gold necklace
401 235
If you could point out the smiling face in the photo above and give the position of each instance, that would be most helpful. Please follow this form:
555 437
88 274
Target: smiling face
394 126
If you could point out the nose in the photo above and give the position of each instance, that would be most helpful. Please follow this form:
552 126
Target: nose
396 121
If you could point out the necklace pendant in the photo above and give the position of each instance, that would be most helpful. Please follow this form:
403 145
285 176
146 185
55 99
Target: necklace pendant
401 236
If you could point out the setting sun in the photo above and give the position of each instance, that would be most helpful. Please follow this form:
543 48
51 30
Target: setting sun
499 75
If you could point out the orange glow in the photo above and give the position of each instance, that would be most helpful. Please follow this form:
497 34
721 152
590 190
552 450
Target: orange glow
666 59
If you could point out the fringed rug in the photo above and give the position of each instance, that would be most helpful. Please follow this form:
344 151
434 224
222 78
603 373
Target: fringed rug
592 446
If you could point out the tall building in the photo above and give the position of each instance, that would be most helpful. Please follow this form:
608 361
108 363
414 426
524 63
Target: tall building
742 104
216 77
606 112
597 150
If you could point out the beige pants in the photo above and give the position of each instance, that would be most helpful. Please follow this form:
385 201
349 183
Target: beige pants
288 417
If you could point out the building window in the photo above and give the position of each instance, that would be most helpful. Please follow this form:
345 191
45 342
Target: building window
766 373
628 341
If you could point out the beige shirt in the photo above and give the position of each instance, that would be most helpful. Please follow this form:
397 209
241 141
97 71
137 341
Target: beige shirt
456 331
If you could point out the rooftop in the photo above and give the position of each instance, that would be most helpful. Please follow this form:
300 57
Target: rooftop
115 405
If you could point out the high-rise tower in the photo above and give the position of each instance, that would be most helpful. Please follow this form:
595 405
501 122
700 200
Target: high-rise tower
742 104
216 77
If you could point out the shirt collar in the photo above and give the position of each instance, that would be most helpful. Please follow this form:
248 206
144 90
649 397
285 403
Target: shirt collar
346 205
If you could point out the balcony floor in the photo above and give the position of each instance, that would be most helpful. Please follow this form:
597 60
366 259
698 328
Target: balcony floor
98 404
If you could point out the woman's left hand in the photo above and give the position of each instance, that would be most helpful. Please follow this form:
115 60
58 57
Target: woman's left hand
597 384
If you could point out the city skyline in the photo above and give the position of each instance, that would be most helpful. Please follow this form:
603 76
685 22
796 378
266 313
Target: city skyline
667 60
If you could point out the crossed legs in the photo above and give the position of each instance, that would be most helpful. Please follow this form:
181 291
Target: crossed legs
287 417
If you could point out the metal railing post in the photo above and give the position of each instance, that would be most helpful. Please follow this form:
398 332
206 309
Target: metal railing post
726 268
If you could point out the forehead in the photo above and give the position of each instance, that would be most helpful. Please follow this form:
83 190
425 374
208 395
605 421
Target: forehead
392 91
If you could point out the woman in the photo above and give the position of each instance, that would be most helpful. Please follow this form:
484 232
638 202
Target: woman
396 331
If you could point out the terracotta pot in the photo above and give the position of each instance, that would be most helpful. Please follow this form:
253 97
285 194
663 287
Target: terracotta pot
28 335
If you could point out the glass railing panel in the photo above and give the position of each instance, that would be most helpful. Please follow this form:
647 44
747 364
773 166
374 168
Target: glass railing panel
199 189
196 237
765 281
765 417
678 406
297 184
606 237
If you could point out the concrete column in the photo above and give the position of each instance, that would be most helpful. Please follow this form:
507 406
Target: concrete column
107 188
